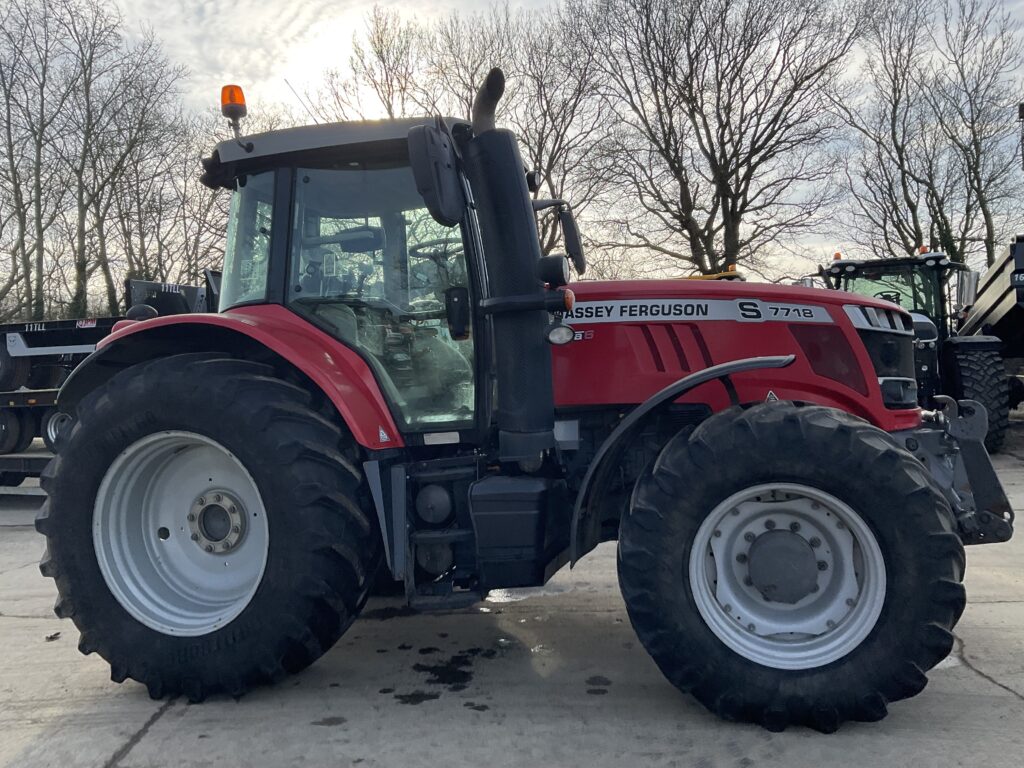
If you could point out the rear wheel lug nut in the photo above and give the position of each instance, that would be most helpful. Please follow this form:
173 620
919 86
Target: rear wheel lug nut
191 518
195 537
769 524
815 542
749 537
217 498
236 529
794 527
717 534
741 558
822 565
208 548
201 501
750 627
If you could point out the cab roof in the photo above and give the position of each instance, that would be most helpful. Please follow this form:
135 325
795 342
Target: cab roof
289 145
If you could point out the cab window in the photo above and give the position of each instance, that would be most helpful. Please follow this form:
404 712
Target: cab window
371 267
247 250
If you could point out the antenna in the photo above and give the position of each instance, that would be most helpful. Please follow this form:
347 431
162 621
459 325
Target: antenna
305 106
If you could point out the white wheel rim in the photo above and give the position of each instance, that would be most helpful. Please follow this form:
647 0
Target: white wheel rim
180 533
820 627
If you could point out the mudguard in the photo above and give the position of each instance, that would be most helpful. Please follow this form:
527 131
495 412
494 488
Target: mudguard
341 374
607 451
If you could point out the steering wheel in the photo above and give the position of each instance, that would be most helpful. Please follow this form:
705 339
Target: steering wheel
890 296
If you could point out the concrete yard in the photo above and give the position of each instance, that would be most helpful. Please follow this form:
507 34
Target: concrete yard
548 677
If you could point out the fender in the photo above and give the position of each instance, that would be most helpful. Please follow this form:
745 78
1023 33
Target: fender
268 329
606 454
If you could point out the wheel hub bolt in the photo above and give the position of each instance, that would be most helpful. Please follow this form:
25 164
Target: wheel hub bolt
195 537
218 498
749 536
851 602
815 542
750 627
741 558
208 548
822 565
794 527
717 534
201 501
830 623
191 518
226 545
769 524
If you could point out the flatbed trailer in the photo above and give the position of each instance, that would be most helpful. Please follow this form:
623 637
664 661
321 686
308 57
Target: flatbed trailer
36 357
15 467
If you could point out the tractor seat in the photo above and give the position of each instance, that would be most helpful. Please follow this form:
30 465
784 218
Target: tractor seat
342 319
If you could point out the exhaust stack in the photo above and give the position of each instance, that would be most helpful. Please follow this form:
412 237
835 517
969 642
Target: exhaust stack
491 159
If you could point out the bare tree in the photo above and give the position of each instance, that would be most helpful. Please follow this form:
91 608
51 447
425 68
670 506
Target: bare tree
934 161
555 111
969 87
382 72
721 147
35 88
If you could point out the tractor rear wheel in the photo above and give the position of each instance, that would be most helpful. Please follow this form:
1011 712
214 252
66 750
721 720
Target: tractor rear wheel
981 376
206 527
791 565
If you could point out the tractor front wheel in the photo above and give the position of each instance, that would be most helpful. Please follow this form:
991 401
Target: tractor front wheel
791 565
206 527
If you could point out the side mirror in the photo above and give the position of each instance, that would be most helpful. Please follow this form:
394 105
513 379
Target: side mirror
967 288
432 156
571 235
456 306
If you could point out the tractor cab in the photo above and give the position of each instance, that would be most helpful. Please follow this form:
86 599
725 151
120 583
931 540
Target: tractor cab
413 243
346 242
923 285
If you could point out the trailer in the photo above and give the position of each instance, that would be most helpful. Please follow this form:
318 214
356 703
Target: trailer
37 356
998 311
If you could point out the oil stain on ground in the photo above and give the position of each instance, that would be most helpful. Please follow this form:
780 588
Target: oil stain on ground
416 697
598 685
330 721
454 674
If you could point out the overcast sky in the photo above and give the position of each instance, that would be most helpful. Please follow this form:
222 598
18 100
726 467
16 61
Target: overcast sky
259 44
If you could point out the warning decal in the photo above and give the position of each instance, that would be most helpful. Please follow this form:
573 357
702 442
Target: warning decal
688 310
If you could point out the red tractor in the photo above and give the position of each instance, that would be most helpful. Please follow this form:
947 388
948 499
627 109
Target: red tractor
399 386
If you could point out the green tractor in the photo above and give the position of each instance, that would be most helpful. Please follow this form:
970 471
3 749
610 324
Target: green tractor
938 292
